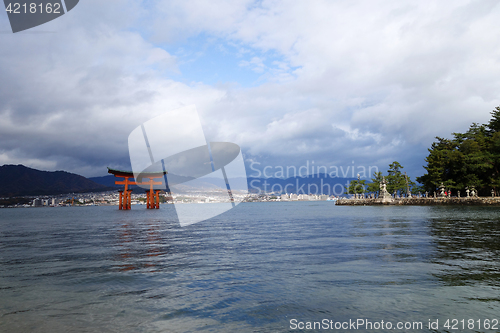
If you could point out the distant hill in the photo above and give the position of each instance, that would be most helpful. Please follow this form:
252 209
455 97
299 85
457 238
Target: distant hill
108 181
315 184
311 184
19 180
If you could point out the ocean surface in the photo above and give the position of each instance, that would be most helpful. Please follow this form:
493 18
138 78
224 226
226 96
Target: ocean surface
261 267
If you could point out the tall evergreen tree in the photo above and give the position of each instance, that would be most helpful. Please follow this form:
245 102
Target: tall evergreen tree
374 186
395 179
356 187
494 123
469 159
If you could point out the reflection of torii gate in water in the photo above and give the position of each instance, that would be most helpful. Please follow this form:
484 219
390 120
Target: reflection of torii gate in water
153 197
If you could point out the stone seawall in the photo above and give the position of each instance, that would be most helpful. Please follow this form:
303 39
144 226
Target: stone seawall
477 201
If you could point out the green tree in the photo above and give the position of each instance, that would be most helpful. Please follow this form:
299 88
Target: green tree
437 164
494 177
356 187
469 159
374 186
494 123
395 179
415 189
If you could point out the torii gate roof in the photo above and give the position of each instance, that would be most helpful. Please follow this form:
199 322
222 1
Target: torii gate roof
122 173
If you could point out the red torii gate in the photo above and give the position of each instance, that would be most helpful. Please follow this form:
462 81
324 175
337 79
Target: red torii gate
151 195
125 194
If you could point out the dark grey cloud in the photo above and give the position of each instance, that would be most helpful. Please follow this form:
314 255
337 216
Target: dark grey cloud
369 81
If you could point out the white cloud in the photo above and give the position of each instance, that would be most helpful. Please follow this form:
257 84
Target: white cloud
256 64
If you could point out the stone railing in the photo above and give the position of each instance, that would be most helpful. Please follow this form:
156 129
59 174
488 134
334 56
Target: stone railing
470 201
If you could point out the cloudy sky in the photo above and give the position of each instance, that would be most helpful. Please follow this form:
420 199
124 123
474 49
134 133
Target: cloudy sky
335 82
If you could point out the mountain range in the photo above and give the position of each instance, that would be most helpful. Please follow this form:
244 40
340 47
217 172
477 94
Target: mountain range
315 184
19 180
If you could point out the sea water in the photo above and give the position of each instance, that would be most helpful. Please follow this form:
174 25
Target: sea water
261 267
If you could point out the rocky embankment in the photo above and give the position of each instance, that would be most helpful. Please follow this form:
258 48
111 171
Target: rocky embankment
471 201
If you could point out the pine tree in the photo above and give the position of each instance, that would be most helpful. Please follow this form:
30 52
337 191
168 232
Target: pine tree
395 179
356 187
374 186
469 159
